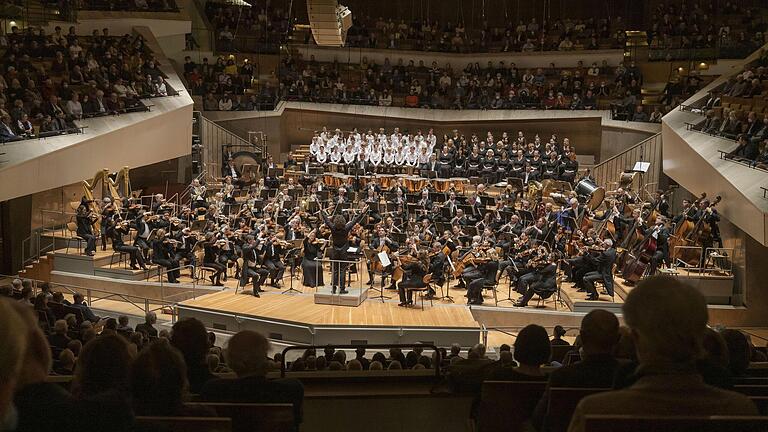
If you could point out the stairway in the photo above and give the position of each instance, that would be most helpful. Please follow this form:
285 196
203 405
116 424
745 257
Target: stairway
39 269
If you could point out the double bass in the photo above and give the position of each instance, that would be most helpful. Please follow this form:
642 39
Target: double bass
694 238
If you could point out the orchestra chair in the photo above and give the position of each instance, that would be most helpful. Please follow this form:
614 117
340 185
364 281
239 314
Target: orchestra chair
601 283
122 258
507 405
184 424
241 263
562 404
252 417
626 423
422 291
492 285
79 241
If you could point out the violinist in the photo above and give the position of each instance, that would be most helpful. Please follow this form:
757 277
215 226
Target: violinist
485 274
414 278
142 232
604 267
108 213
372 201
273 261
426 232
312 270
544 283
212 250
437 261
163 255
252 268
377 244
187 242
533 266
117 233
470 271
85 220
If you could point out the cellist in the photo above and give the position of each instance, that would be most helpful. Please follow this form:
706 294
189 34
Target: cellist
379 243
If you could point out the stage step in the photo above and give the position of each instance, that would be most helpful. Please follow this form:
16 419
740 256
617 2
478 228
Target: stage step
575 300
353 298
72 262
118 272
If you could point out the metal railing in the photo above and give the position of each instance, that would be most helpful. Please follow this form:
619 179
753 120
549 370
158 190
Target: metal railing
366 346
608 172
213 138
143 304
164 271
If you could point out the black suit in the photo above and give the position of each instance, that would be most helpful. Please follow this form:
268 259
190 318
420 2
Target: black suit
258 274
604 263
163 257
595 371
256 389
85 231
544 284
273 262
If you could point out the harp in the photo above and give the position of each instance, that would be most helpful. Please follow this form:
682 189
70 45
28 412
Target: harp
115 189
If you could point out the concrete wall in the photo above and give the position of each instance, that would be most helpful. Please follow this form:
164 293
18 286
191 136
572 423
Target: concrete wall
616 140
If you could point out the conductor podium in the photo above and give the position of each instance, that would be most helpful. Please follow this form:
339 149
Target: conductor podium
356 291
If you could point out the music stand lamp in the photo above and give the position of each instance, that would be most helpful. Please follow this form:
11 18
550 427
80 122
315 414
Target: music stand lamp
291 254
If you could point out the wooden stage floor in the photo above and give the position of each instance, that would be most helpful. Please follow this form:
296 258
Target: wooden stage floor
300 307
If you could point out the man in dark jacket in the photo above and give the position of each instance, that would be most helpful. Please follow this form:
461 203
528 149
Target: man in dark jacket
599 334
604 263
246 354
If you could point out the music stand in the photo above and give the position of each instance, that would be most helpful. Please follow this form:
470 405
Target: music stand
641 168
446 284
291 254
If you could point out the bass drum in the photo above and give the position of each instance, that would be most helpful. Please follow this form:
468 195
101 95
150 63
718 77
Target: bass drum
247 163
593 194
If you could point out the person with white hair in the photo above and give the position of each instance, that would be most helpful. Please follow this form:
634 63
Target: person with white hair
667 320
604 263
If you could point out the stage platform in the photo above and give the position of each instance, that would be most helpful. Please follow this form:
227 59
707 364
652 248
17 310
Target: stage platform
297 318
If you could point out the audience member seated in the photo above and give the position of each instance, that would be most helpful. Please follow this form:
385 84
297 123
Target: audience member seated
667 319
190 337
101 385
158 381
532 350
246 354
148 326
53 80
599 335
130 5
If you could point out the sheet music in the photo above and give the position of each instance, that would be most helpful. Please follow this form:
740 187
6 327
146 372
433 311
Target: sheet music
384 259
641 167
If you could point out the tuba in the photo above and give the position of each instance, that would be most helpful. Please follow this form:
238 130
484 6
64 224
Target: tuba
533 191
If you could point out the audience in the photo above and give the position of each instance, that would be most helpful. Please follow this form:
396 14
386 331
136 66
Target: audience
191 339
158 381
246 354
667 319
54 79
532 350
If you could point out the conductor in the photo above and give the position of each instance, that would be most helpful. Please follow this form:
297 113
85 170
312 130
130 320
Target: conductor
340 229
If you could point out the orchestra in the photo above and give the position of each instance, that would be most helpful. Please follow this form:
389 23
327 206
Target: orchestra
528 217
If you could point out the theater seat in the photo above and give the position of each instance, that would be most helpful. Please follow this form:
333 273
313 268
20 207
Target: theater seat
610 423
183 424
